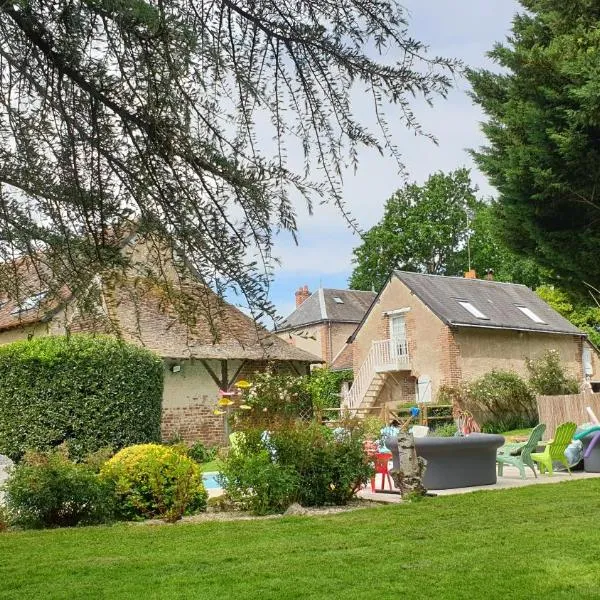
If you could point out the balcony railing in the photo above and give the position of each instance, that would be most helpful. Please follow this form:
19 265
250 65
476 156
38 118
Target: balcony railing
391 355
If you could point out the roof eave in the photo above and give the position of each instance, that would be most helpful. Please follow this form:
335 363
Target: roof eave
525 329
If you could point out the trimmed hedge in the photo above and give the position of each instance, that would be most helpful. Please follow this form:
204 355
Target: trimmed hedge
88 391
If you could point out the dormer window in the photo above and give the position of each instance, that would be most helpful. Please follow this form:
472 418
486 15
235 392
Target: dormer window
338 300
29 303
529 313
471 309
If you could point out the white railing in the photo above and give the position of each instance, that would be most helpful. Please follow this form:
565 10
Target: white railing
384 355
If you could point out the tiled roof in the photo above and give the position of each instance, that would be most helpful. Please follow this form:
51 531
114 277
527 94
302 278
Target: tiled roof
342 306
141 315
498 302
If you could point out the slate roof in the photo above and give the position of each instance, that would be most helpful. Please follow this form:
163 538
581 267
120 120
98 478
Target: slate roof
323 306
496 300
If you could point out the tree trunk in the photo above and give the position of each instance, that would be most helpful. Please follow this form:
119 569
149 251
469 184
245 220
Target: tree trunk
408 467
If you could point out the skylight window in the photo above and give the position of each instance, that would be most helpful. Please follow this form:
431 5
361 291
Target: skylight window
29 303
474 311
338 300
528 312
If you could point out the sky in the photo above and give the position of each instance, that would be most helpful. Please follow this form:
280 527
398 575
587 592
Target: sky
466 30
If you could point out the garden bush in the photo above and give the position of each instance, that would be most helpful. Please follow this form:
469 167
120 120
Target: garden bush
548 377
200 453
329 467
4 520
495 398
151 480
257 483
324 387
446 430
88 391
48 490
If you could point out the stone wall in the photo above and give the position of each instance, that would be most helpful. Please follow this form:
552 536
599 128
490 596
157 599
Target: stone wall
194 423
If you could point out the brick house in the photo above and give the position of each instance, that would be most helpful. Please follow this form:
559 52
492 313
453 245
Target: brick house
323 322
218 346
425 331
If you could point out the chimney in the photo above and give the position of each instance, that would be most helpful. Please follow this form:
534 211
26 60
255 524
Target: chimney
301 295
489 274
472 274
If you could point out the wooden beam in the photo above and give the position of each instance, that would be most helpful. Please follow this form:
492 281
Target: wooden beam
211 373
224 375
295 368
235 376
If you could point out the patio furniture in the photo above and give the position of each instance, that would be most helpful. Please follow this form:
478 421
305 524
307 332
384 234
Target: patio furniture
555 449
455 462
507 455
382 468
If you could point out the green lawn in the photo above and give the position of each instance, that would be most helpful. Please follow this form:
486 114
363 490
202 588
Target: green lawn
528 543
213 465
517 433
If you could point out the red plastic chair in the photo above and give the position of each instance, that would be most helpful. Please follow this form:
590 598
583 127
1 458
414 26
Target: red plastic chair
382 467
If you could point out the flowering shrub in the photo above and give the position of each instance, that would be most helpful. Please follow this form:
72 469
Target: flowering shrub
151 480
495 397
296 462
548 377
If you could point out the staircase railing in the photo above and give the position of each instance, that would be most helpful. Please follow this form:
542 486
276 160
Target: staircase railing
362 381
383 353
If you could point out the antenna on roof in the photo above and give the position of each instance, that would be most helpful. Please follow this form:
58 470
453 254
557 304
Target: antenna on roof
468 243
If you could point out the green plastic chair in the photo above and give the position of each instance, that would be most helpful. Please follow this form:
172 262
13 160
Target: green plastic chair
555 450
507 454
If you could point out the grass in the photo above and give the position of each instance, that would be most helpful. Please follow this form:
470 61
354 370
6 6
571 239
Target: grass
517 433
533 542
213 465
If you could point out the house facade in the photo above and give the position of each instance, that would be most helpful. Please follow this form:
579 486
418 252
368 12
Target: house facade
323 321
217 345
426 331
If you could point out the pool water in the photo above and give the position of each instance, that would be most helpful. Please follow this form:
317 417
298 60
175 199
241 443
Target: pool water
210 481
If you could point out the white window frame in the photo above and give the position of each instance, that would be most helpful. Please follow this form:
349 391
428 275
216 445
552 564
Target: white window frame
338 300
529 313
473 310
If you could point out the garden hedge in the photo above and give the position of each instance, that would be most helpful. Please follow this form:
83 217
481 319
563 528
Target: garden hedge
88 391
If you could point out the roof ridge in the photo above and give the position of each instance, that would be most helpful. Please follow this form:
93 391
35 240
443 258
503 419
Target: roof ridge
322 304
476 279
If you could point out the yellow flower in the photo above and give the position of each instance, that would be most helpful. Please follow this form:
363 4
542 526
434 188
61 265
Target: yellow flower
218 412
243 384
245 407
225 402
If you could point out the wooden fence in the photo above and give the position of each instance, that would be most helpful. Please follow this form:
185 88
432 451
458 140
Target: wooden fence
554 410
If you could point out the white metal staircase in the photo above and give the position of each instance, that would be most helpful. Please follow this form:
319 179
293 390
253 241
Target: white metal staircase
384 356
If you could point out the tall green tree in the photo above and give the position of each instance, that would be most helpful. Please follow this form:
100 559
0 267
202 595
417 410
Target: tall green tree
543 135
422 227
426 229
164 113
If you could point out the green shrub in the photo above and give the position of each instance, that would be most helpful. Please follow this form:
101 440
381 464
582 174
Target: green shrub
548 377
508 424
48 490
329 468
446 430
151 480
496 397
201 454
324 387
257 483
88 391
4 519
274 398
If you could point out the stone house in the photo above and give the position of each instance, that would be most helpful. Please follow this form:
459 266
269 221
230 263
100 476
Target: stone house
323 321
425 331
217 345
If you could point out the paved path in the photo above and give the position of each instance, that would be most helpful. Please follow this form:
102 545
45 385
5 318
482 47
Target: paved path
510 479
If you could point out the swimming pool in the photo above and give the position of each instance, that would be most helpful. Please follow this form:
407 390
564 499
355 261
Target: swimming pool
210 481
